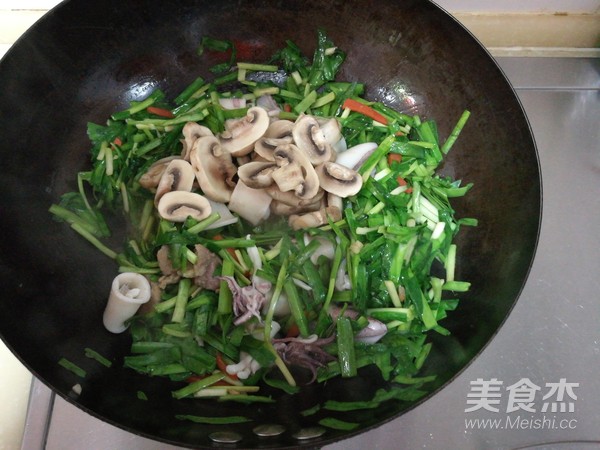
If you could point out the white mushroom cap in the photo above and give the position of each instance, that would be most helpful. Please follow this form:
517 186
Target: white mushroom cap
331 129
278 133
257 174
295 172
289 177
240 134
192 131
291 199
178 176
177 206
338 180
309 138
283 209
265 146
213 168
314 218
251 204
280 129
151 177
127 293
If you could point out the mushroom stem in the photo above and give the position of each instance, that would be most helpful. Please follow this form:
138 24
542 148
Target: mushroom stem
128 292
240 134
251 204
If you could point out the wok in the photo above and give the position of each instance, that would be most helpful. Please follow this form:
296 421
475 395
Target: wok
84 60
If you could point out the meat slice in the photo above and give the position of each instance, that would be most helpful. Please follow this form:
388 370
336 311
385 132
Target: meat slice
169 274
202 271
204 268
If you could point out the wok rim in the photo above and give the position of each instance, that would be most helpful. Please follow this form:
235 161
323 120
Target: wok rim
322 441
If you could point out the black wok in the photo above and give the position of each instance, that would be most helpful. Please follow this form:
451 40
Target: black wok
84 60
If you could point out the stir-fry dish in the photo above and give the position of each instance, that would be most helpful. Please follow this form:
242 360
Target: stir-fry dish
281 229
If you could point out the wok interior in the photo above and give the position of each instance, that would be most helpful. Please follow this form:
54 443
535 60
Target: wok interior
85 60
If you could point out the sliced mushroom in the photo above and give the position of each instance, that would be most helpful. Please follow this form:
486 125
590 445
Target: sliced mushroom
283 209
289 177
213 168
309 138
307 185
251 204
291 199
178 176
257 174
151 178
192 131
256 157
338 180
241 160
331 129
240 134
315 218
177 206
265 146
280 129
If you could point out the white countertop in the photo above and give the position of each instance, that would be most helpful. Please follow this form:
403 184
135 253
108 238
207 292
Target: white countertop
14 392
